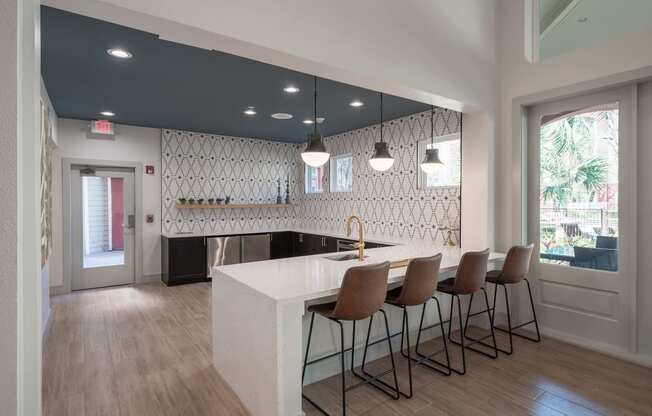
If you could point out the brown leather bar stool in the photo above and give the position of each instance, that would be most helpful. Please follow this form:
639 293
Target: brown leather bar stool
515 268
469 280
420 281
362 295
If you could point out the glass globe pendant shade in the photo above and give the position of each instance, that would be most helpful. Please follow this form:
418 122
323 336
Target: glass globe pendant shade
431 162
381 160
315 154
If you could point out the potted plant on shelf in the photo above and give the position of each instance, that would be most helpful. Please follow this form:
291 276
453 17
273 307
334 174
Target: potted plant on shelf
183 201
191 201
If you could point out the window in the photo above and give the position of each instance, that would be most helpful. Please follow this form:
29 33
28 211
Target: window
342 173
578 179
314 180
450 154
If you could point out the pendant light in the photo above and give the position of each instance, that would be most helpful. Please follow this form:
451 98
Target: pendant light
381 160
315 154
431 162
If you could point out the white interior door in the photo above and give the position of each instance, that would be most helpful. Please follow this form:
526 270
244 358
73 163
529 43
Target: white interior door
581 216
103 227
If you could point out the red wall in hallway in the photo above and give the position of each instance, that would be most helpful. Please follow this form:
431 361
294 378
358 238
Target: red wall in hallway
117 214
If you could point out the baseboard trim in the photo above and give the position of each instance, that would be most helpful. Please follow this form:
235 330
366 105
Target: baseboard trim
150 278
643 360
58 290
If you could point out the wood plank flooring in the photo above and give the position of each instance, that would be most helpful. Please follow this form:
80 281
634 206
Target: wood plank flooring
146 350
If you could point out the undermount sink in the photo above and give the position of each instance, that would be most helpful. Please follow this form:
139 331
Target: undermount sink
344 257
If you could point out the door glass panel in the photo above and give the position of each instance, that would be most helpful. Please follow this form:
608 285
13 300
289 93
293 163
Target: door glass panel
578 213
103 217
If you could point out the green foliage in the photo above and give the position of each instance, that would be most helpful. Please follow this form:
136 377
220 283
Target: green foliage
569 172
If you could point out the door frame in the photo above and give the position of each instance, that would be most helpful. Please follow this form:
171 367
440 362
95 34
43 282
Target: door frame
66 170
519 186
98 277
623 281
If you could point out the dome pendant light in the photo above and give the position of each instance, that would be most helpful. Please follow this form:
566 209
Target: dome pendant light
381 160
431 162
315 154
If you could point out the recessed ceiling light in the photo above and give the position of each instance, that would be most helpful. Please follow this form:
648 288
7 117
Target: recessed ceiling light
291 89
320 120
250 111
282 116
107 113
307 121
119 53
582 19
356 103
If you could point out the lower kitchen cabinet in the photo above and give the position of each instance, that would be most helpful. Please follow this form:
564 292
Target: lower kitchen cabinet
281 245
183 260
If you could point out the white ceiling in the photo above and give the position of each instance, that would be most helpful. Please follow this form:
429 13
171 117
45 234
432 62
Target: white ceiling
605 19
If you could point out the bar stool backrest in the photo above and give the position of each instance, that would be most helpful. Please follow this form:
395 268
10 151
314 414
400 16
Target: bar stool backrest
420 281
471 272
517 264
362 293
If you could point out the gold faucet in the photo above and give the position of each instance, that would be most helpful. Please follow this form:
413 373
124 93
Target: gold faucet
360 244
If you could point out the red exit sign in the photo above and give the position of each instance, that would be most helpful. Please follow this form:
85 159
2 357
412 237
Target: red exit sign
102 127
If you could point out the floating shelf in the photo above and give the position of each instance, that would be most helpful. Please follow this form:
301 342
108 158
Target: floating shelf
229 206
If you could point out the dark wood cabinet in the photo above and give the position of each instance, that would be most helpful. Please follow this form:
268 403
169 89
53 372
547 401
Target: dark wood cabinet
308 244
183 260
281 245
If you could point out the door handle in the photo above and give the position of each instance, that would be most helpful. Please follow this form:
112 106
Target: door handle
131 221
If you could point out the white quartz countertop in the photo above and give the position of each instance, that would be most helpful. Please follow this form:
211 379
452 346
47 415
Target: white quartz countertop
313 277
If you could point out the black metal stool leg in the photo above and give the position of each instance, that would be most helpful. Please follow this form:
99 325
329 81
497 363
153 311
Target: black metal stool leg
428 360
406 332
342 352
468 314
510 329
534 312
509 323
391 354
491 327
461 343
443 337
374 380
475 341
305 360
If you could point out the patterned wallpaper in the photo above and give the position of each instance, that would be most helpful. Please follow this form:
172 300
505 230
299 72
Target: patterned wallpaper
389 202
196 165
202 166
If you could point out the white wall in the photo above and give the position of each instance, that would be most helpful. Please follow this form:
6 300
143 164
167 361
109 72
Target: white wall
8 219
131 144
518 78
644 292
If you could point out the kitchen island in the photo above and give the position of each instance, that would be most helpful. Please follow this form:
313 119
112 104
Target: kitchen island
258 320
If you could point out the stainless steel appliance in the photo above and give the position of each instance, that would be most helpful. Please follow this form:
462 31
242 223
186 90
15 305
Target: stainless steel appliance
237 249
254 248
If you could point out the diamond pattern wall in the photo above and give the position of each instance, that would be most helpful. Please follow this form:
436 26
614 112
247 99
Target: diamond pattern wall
389 202
196 165
202 166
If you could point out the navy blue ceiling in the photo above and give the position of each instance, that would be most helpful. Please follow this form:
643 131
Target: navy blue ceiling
170 85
